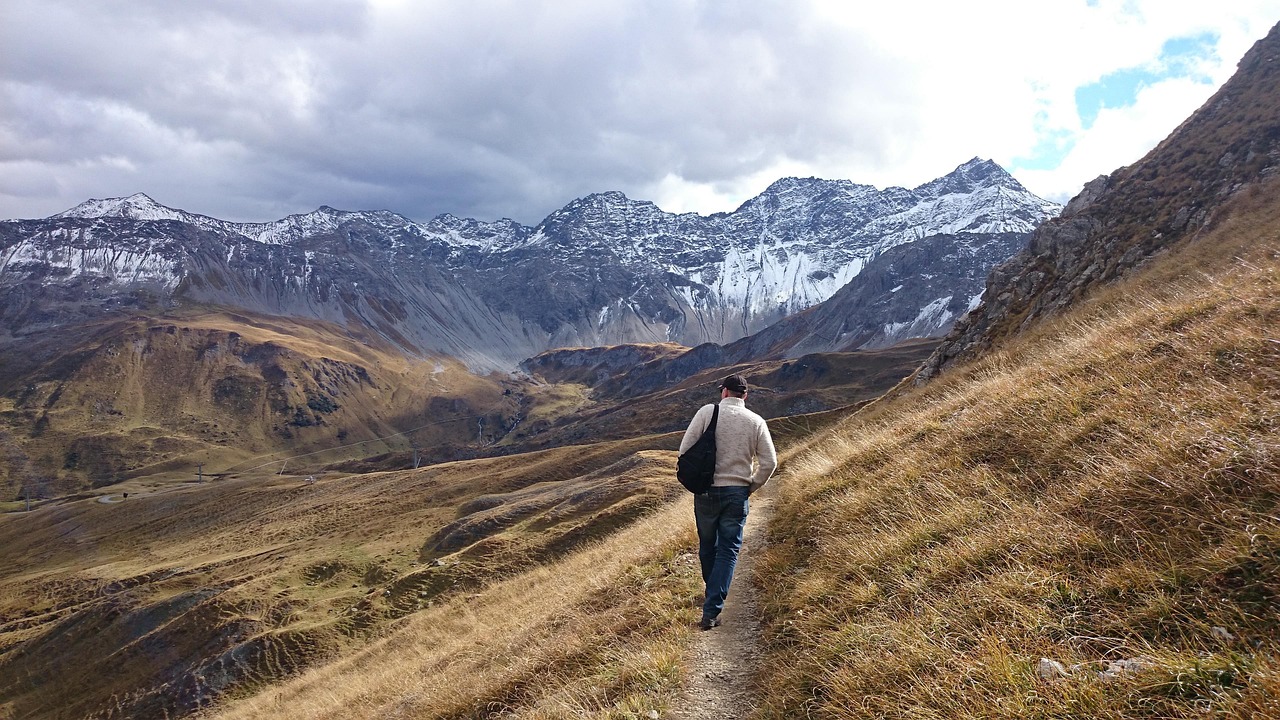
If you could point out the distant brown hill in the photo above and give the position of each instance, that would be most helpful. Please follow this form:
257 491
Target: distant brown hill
155 395
217 391
780 388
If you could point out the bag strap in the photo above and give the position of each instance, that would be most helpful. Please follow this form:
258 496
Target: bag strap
715 415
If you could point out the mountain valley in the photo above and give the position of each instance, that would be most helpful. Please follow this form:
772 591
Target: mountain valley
140 340
1030 465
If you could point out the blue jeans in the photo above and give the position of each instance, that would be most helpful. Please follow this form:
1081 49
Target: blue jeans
720 515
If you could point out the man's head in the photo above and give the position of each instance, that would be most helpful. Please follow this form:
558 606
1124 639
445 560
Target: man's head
733 386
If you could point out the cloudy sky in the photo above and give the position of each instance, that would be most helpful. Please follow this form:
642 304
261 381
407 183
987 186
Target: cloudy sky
255 109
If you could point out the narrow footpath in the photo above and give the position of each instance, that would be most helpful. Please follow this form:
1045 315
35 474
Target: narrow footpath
727 658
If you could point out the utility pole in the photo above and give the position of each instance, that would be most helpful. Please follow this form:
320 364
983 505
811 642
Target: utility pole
200 472
417 458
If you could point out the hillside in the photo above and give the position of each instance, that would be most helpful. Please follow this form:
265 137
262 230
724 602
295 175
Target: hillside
177 598
160 395
655 396
155 394
1102 493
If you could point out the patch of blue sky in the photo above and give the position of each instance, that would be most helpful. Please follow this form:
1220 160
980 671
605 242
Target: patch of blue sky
1179 58
1052 145
1051 148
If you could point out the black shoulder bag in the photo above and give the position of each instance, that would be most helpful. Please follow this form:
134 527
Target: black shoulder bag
696 468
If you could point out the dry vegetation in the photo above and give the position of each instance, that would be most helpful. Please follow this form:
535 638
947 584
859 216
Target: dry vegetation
600 634
556 580
1105 488
152 396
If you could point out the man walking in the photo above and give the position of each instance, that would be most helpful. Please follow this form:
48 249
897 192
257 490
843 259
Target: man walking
742 440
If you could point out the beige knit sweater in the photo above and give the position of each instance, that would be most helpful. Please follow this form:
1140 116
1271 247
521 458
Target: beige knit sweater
741 438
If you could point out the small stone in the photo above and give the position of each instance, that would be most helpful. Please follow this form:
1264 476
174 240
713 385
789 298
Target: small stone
437 563
1132 666
1048 669
652 715
1221 633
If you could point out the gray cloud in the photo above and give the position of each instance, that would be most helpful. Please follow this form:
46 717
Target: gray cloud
253 109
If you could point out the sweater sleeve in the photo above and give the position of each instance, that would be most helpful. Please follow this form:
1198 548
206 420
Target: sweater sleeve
701 419
766 455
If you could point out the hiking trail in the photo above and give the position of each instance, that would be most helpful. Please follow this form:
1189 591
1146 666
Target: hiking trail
726 659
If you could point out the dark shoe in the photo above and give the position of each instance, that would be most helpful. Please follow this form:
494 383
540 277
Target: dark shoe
707 623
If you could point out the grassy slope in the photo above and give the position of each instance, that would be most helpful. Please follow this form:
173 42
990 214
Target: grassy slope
602 633
1104 488
171 600
147 396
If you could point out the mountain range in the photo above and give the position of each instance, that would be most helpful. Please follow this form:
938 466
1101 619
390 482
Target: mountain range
1077 515
603 270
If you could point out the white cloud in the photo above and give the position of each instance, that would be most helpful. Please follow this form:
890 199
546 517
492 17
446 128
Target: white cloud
252 110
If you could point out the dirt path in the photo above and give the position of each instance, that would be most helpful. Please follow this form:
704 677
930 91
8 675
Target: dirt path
725 659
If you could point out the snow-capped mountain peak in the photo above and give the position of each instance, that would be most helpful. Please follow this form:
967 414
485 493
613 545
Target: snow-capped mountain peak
138 206
603 269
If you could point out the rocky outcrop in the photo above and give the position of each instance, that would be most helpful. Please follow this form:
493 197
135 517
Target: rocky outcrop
1119 221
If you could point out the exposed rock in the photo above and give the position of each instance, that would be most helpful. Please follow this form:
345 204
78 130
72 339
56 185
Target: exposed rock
1047 669
1132 666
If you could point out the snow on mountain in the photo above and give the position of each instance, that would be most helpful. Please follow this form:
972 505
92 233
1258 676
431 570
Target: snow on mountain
65 255
322 221
604 269
138 206
469 234
789 248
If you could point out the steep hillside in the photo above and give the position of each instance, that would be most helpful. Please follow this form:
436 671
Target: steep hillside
1083 524
475 586
1171 195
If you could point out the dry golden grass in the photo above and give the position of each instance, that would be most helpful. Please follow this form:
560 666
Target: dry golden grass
601 633
153 396
1107 487
178 598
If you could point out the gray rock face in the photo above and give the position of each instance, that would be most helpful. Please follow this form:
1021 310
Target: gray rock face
1119 221
914 290
603 270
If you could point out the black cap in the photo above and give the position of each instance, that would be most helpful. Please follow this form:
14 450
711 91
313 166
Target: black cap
734 383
